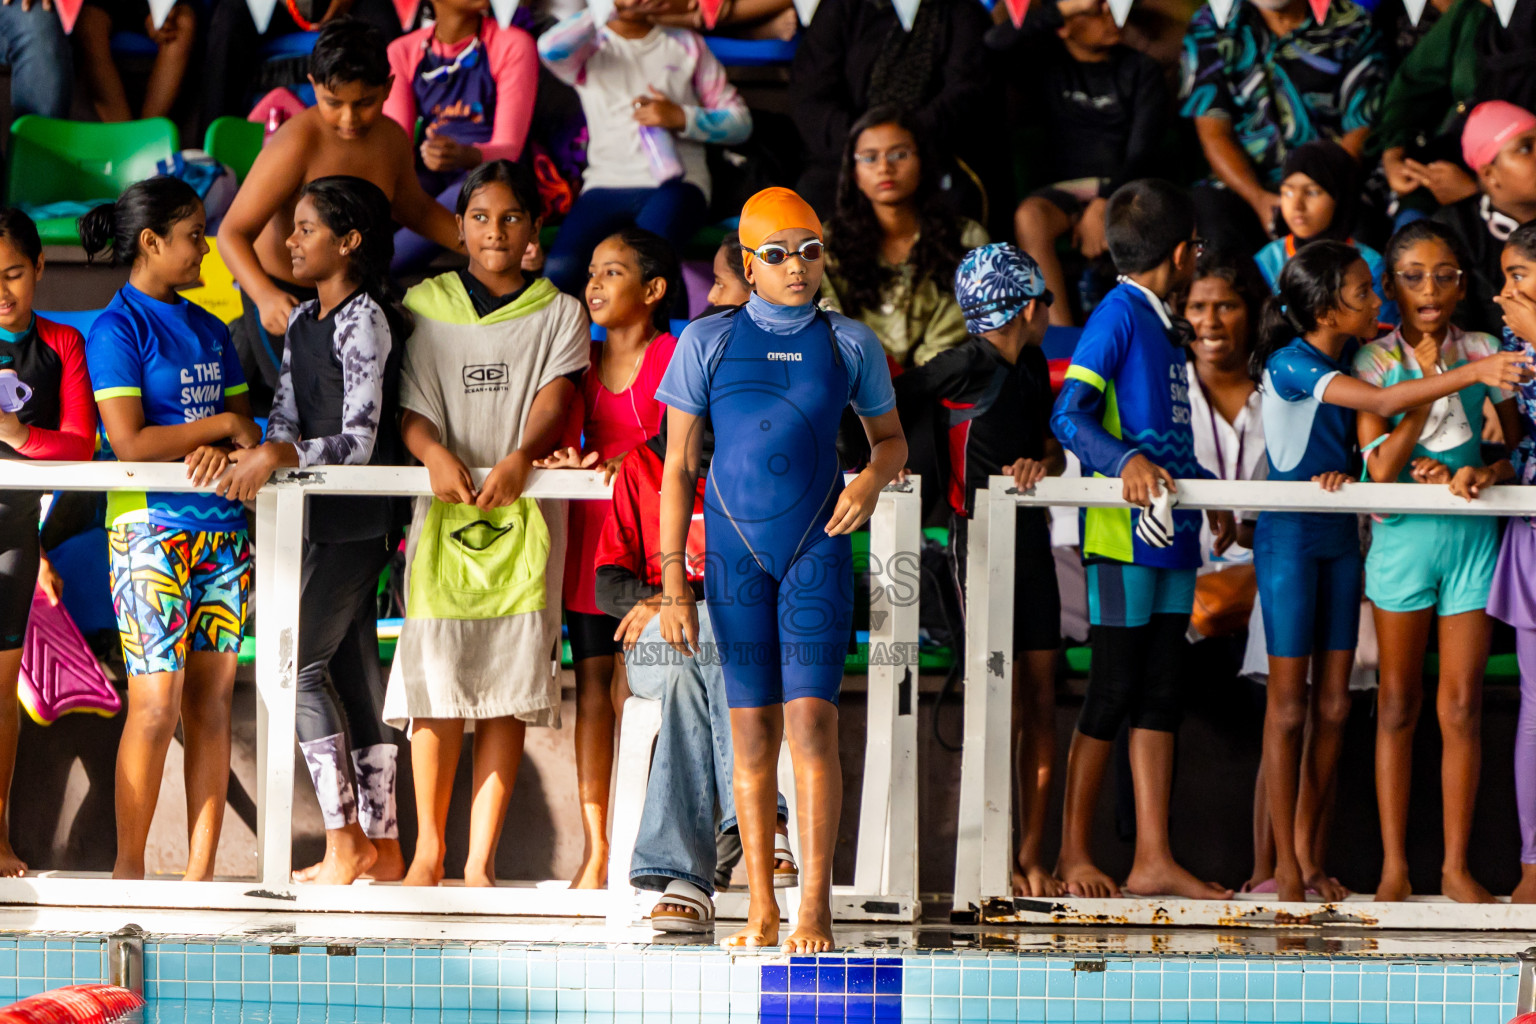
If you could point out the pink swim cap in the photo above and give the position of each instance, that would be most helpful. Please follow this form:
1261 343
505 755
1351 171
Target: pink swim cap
1489 127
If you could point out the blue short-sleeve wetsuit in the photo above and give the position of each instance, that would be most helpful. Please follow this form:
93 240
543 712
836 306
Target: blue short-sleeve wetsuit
774 381
1308 563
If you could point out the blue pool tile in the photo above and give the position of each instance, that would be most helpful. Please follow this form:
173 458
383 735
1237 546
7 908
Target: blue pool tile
830 1005
946 981
1288 1011
1032 983
1176 986
1346 987
255 992
455 969
918 981
1116 983
1374 1012
887 981
1059 984
1316 985
310 994
395 995
887 1007
685 974
1458 986
1259 1013
860 1007
973 980
600 975
774 978
772 1004
571 1000
1400 986
287 993
1288 987
1401 1013
226 991
802 1004
1261 987
916 1008
1145 1011
345 995
1202 985
1346 1013
946 1008
312 969
542 1000
199 990
1485 989
802 976
1090 985
1150 986
543 972
861 981
1458 1013
972 1008
628 975
1431 988
570 973
1004 982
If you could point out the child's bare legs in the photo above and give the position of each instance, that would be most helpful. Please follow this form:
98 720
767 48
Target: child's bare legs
1086 761
93 35
498 751
1038 223
206 694
1034 730
1463 654
435 746
1284 721
1328 711
154 706
595 721
1263 835
170 66
1403 637
10 723
812 726
756 734
1154 871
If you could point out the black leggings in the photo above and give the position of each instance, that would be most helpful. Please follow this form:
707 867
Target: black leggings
1135 675
18 564
340 685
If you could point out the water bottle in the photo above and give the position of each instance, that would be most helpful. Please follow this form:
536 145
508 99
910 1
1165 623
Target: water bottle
661 151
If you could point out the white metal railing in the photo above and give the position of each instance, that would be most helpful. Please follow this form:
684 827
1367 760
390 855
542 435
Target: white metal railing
886 873
983 846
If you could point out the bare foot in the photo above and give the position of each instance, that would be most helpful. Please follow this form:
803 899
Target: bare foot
1081 877
11 866
762 928
1033 880
593 873
308 874
1254 882
1326 886
128 869
1167 878
809 939
478 878
426 868
1394 887
1525 892
1463 888
390 866
1289 888
348 854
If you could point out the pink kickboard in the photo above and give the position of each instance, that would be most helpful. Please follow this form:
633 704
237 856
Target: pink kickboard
59 674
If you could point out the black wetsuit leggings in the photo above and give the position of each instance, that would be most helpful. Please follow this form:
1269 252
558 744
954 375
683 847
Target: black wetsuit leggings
18 564
340 683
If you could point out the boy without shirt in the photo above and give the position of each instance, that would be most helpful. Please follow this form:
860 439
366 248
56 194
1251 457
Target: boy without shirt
345 132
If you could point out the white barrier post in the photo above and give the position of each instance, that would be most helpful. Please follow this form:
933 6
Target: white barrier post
887 846
279 564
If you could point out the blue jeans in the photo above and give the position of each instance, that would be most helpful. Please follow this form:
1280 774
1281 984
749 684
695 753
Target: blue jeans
674 211
691 769
34 47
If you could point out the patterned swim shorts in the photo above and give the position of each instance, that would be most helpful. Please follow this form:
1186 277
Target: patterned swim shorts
176 591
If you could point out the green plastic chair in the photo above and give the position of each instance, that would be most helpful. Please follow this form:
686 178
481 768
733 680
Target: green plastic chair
56 161
236 142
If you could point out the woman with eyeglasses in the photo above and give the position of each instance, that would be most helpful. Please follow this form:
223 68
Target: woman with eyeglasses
894 243
774 378
1424 566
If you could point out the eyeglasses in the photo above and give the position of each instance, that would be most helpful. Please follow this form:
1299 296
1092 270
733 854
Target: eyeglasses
1444 277
774 254
870 157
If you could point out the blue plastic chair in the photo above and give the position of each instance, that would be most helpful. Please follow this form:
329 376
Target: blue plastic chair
747 53
80 319
294 44
601 334
133 44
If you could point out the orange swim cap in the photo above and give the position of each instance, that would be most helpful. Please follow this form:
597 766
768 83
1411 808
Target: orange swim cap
770 211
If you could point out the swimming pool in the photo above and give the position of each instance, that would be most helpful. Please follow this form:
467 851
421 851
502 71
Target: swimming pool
191 978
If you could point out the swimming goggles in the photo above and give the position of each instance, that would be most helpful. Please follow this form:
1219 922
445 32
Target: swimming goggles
774 254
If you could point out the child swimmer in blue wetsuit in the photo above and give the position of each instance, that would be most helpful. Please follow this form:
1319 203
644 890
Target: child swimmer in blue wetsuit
774 377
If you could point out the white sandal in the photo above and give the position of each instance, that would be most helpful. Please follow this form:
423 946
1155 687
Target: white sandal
697 913
784 878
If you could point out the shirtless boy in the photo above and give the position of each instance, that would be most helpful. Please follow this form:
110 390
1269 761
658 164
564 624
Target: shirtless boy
345 132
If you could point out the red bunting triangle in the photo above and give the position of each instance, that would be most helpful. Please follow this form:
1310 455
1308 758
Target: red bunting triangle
406 10
1016 10
1319 10
68 10
710 9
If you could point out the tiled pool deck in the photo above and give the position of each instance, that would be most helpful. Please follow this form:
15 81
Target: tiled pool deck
390 980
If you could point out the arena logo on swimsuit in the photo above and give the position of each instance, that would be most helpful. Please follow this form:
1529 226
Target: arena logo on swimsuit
785 357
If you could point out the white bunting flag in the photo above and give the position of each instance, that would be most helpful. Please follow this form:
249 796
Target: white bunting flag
261 14
1121 9
504 9
1504 9
906 10
1221 10
1415 9
806 9
159 10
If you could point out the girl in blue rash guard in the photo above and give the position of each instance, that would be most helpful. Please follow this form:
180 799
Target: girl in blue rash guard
774 377
1308 563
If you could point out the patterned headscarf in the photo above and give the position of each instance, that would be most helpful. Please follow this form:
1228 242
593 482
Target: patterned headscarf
994 283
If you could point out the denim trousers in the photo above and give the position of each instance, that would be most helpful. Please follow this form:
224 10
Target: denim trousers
691 768
34 47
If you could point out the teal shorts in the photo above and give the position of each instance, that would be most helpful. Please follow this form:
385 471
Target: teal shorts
1424 561
1121 594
